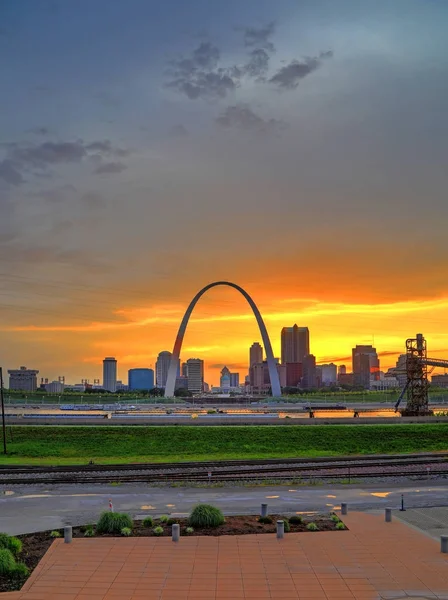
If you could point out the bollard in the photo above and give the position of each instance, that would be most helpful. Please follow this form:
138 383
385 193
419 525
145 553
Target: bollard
343 508
264 510
68 534
402 509
388 515
444 544
175 529
280 530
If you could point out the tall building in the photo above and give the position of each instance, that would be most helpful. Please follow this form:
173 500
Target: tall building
195 375
234 380
329 374
309 379
141 379
366 365
110 374
162 367
293 374
259 376
255 354
224 381
23 379
342 370
295 344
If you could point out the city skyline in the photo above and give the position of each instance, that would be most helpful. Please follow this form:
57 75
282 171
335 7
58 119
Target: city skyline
294 148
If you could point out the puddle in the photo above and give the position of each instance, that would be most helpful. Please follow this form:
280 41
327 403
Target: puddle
272 496
380 494
147 507
8 493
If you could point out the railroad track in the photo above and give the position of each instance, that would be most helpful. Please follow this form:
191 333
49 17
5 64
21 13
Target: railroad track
320 468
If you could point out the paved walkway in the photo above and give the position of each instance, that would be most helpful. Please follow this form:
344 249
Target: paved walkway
372 560
432 520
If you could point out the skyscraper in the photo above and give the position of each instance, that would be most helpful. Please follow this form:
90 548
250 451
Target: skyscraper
309 379
295 344
255 354
110 374
141 379
195 375
162 367
329 374
366 365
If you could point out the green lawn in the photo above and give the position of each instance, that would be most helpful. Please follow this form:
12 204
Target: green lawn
76 445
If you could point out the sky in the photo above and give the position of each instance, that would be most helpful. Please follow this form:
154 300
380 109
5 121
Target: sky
297 148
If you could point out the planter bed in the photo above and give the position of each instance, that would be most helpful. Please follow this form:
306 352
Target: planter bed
35 545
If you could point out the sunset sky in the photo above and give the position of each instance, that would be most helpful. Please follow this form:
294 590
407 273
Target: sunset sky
295 147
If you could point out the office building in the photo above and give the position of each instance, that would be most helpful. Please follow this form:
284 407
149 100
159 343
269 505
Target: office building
110 374
181 383
366 366
255 354
329 374
23 379
234 380
260 381
440 380
342 370
55 387
295 344
293 374
195 368
141 379
162 367
309 376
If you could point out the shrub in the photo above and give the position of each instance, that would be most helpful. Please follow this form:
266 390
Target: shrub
286 526
189 530
10 543
126 531
340 525
111 522
296 520
205 515
7 562
89 531
265 520
172 521
158 530
21 570
55 534
147 522
164 519
312 527
15 545
335 518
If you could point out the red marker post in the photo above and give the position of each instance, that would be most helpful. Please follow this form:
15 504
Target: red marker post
111 506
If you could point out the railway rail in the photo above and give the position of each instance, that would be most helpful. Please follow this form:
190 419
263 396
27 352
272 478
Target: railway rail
416 465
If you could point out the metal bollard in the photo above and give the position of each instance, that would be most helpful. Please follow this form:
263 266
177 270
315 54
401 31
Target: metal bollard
344 508
388 515
175 532
280 530
444 544
264 510
68 534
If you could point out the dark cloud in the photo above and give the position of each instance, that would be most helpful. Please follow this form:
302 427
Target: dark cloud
9 172
92 200
289 76
110 167
258 64
259 37
107 99
40 130
55 195
38 158
179 131
242 117
199 75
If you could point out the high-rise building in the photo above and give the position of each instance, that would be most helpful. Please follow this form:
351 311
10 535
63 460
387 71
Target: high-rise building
293 374
234 380
195 375
295 344
329 374
309 379
141 379
342 370
110 374
259 376
255 354
23 379
366 365
162 367
224 381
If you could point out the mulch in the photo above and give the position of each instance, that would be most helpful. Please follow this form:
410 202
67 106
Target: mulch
35 545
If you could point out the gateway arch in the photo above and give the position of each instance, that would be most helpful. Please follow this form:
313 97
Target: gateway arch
172 372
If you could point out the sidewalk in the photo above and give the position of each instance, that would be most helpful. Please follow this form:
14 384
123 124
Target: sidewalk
372 560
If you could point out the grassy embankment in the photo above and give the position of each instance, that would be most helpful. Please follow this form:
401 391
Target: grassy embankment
77 445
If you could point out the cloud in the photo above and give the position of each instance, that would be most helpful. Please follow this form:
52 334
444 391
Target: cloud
179 131
40 130
110 167
258 64
9 172
54 195
260 37
289 77
241 116
37 158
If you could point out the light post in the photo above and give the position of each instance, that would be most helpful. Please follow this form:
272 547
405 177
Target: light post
3 410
